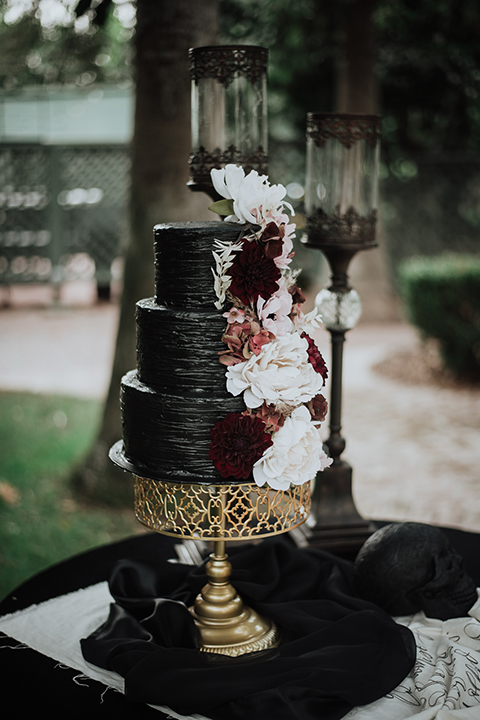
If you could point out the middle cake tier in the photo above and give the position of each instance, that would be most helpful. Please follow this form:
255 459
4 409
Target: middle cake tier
178 350
176 395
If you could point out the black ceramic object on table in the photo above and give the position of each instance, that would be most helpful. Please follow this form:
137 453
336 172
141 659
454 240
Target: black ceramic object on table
408 567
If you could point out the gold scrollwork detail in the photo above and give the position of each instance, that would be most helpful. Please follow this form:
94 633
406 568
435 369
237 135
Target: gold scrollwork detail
170 505
228 512
215 511
262 507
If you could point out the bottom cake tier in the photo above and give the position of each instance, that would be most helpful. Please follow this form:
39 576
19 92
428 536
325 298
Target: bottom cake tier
167 437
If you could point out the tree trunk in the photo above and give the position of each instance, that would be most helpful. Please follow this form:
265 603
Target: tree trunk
159 153
357 92
356 85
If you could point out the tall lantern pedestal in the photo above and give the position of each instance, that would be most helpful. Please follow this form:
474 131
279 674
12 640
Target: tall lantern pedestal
338 526
341 202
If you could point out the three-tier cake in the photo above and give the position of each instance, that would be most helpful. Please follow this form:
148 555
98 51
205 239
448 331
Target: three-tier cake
228 382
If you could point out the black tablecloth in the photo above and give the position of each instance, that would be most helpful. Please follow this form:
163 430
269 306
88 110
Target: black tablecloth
32 683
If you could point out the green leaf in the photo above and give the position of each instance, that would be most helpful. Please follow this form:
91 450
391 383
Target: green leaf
222 207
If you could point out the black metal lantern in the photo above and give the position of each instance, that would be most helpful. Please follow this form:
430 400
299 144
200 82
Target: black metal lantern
229 111
341 208
341 194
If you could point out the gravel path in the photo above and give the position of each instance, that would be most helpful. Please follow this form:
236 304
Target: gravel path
413 439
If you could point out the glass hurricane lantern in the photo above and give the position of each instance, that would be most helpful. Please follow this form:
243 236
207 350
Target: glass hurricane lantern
341 199
229 111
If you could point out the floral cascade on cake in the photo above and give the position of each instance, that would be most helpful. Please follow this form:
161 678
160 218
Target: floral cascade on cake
271 358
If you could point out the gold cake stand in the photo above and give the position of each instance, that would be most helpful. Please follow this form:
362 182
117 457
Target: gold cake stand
220 513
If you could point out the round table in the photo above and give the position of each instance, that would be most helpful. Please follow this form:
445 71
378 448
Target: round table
32 682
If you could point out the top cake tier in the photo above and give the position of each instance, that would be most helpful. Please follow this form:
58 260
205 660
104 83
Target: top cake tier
184 261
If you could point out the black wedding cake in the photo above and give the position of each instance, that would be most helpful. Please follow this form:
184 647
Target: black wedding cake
177 393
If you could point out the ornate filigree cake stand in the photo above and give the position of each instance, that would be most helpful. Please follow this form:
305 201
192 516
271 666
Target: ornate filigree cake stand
220 513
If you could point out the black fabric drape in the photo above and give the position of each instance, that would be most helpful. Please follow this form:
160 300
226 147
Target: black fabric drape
337 651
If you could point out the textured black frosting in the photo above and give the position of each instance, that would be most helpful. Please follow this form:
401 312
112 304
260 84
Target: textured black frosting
170 434
177 350
184 261
178 392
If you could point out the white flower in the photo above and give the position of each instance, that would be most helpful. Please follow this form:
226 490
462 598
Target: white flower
308 323
284 260
280 373
295 456
274 312
273 203
253 196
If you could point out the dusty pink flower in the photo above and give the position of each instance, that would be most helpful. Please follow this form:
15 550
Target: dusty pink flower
234 315
274 312
272 418
236 338
258 340
243 339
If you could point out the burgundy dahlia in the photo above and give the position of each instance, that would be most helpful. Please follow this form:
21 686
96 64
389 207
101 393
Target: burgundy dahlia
315 357
253 274
238 442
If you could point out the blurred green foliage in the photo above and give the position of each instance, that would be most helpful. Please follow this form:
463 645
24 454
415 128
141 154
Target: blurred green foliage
428 62
302 38
33 53
42 437
428 66
442 299
429 73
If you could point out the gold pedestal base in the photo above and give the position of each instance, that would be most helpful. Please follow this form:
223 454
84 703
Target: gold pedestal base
224 624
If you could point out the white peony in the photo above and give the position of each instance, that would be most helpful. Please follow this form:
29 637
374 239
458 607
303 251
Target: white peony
253 196
295 456
280 373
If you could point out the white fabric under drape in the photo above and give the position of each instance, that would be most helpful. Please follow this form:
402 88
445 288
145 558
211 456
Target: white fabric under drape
444 684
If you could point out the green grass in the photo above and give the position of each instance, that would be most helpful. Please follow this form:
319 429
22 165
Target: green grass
41 439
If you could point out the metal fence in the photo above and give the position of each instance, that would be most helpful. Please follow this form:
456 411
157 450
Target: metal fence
62 211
